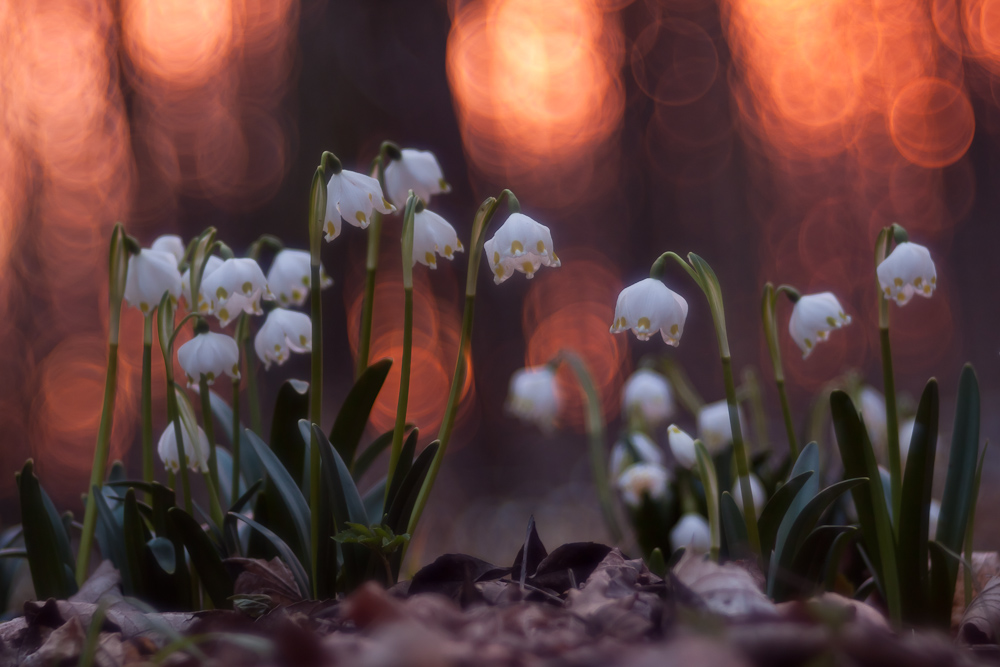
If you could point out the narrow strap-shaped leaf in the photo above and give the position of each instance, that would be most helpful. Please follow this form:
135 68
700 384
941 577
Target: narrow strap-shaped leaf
110 535
41 539
367 457
162 551
205 558
656 563
398 516
706 470
293 563
230 535
134 577
250 466
734 528
374 501
402 466
291 405
808 461
345 498
832 565
807 574
777 508
940 593
353 416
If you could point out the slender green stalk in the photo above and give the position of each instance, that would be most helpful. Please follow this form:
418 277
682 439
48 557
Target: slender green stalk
368 304
253 396
710 481
167 333
739 448
173 414
214 506
970 529
751 389
882 249
679 380
769 318
147 399
213 463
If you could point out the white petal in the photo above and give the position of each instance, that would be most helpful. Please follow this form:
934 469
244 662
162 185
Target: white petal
533 396
415 170
648 394
813 317
691 532
757 492
150 274
170 243
682 446
642 480
908 270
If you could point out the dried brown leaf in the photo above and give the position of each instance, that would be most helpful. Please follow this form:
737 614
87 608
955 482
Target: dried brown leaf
728 590
981 622
985 566
255 576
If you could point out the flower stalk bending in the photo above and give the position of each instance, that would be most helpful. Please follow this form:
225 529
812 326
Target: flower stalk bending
147 398
769 317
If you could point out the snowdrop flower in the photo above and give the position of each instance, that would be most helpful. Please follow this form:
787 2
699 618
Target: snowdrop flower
714 428
414 170
237 285
211 264
645 449
170 243
648 393
534 397
873 413
352 196
691 532
150 274
650 306
210 354
813 318
756 490
641 480
521 244
290 277
908 270
283 330
195 448
682 446
432 236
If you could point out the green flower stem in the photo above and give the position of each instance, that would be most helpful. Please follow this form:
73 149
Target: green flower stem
769 317
173 414
686 393
213 463
215 507
371 264
147 400
751 390
234 493
167 333
710 481
882 249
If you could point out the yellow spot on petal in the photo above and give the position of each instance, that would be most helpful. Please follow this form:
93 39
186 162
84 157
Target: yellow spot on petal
918 282
673 329
541 246
528 268
900 297
842 315
443 184
221 293
832 322
302 340
386 204
496 257
210 376
888 291
499 271
371 198
283 298
459 242
809 344
934 280
236 369
429 258
144 306
296 294
360 217
248 288
898 282
516 247
305 281
223 314
674 429
644 323
927 289
277 347
448 252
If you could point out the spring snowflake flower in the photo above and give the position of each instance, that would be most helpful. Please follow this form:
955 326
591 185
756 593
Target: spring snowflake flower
210 354
714 428
650 306
290 277
813 318
414 170
521 244
648 393
432 236
642 480
756 490
534 397
151 273
170 243
691 532
237 285
682 446
908 270
645 449
353 197
196 449
211 264
284 331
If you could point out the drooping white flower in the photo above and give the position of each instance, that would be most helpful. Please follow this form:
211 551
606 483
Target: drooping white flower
648 393
641 480
682 446
908 270
756 490
353 197
534 397
649 306
237 285
415 170
170 243
210 354
813 318
151 273
646 451
283 331
691 532
196 449
290 277
432 236
520 244
211 264
714 428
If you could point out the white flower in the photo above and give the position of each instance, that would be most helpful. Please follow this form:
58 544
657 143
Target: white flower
648 393
211 264
756 490
641 480
691 531
151 273
534 397
290 277
195 449
682 446
170 243
908 270
714 428
283 330
873 413
210 354
813 318
415 170
650 306
433 234
352 196
645 449
237 285
521 244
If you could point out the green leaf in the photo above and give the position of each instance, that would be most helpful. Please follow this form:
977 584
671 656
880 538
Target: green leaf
374 500
353 416
734 528
833 558
371 452
230 535
808 461
915 507
163 553
809 568
403 465
205 558
398 516
110 535
250 466
656 563
134 531
706 470
45 539
939 594
293 563
291 405
777 508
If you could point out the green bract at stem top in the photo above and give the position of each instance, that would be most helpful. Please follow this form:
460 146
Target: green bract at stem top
769 315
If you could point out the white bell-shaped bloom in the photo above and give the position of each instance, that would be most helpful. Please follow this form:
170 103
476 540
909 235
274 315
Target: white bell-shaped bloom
196 449
650 306
682 446
433 236
283 332
534 397
353 197
642 480
691 532
813 318
714 428
237 285
290 277
873 413
646 451
648 393
908 270
520 244
756 490
151 273
415 170
210 354
211 264
170 243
